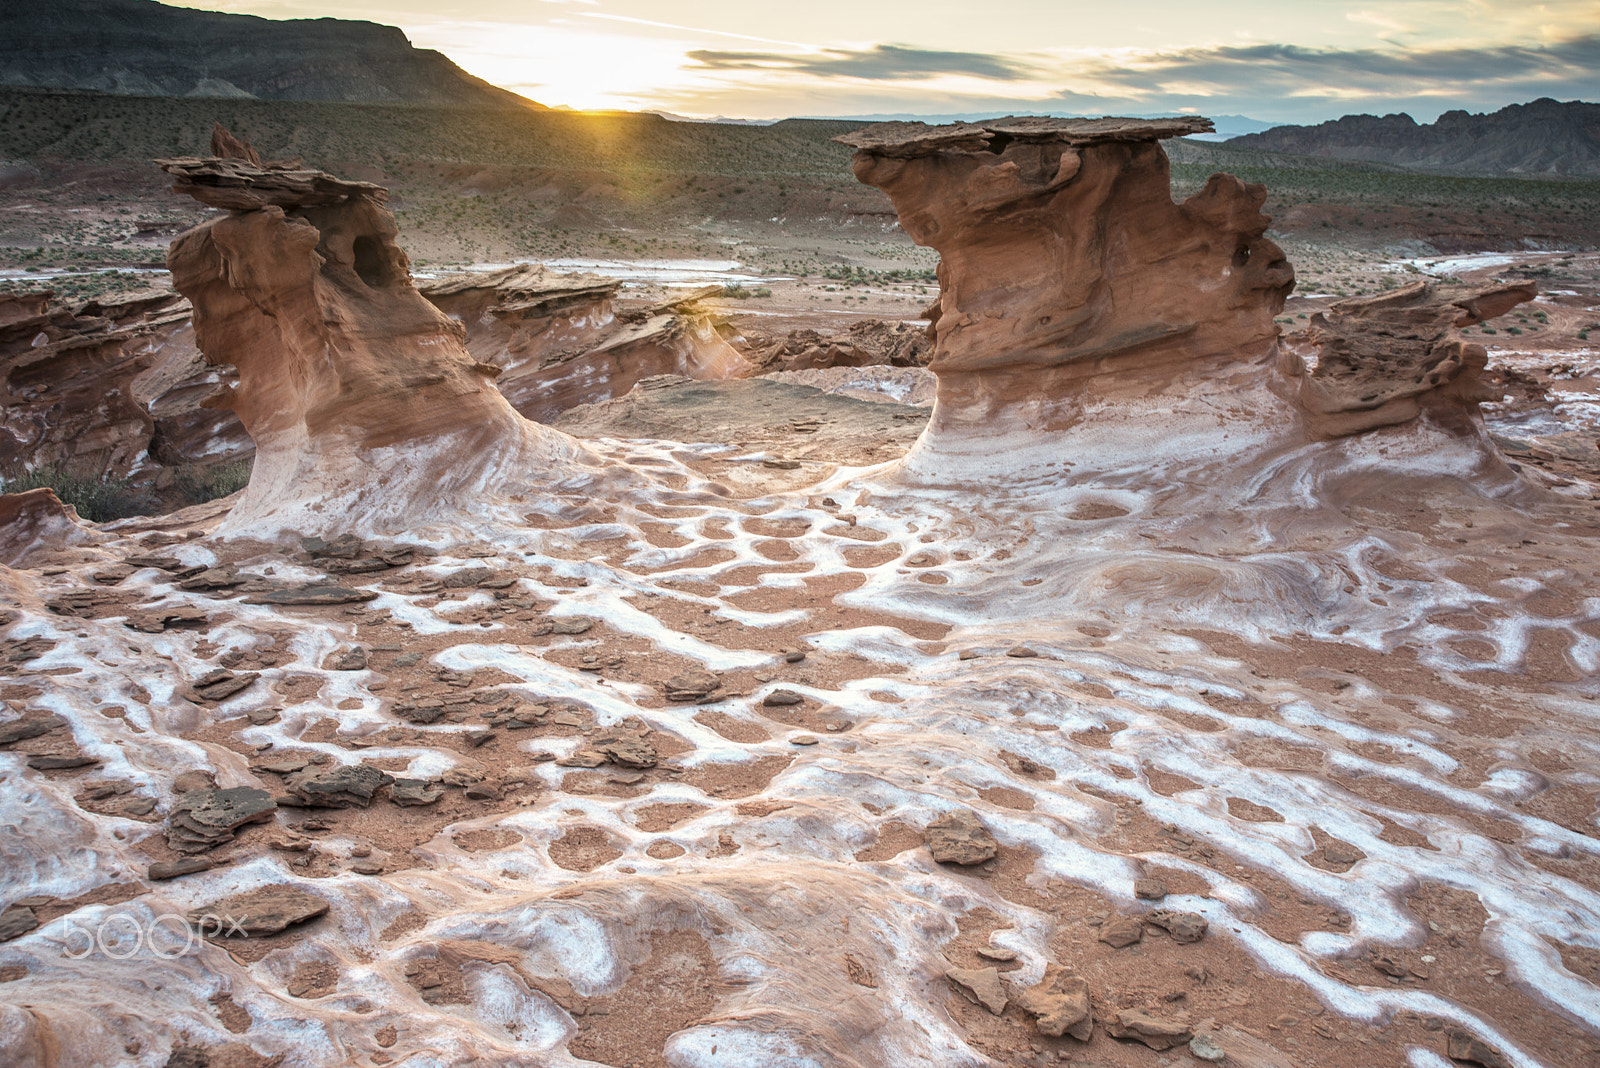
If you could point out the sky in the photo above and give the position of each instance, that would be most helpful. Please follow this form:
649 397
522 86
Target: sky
1273 60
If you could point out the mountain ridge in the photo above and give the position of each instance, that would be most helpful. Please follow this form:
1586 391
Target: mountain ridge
143 48
1544 136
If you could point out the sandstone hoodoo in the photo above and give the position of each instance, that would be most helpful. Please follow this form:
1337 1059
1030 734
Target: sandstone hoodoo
367 411
1081 308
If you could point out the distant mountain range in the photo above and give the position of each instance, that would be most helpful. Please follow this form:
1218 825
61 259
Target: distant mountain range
143 48
1544 137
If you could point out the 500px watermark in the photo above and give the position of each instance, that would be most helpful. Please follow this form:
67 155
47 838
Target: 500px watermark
122 936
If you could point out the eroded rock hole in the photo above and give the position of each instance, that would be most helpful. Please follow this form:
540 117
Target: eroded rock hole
370 263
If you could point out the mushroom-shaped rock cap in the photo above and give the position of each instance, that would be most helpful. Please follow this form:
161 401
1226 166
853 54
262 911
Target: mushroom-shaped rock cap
240 185
907 140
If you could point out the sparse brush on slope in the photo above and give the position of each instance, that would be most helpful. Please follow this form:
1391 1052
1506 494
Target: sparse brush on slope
98 498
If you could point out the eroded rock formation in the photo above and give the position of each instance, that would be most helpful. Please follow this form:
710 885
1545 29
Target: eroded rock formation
1087 323
367 411
110 386
559 341
35 522
1378 361
864 343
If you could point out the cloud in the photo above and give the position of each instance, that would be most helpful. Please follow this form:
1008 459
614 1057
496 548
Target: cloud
879 63
1278 82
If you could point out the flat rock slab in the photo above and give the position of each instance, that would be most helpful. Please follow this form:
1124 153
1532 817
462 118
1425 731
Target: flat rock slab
350 786
258 913
981 986
466 578
172 869
312 595
53 762
1154 1031
959 837
204 819
221 684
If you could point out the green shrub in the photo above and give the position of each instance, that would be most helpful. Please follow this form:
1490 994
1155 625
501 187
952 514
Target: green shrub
200 484
98 498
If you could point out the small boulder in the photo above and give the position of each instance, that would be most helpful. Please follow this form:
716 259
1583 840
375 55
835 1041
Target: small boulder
352 659
1182 926
1060 1007
626 748
691 685
16 921
959 837
1206 1048
204 819
1120 932
1149 889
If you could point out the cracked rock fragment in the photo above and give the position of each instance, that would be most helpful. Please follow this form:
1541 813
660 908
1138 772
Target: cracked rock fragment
981 986
205 819
352 659
1182 926
627 748
959 837
1060 1007
1120 932
347 786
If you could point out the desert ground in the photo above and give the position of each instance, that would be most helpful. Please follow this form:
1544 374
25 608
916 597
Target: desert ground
1208 707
